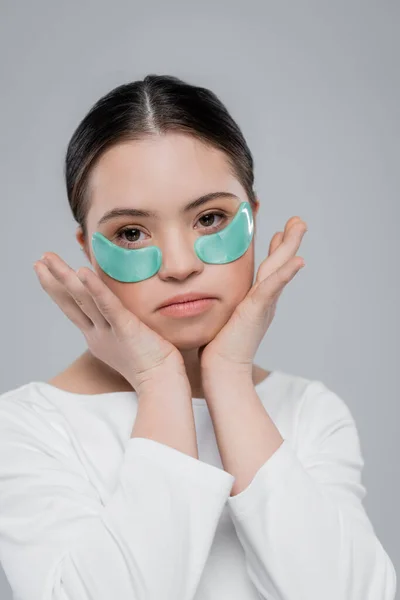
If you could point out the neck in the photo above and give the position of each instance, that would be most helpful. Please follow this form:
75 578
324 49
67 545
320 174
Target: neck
102 378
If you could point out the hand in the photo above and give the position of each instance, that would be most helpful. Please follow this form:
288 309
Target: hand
114 334
235 345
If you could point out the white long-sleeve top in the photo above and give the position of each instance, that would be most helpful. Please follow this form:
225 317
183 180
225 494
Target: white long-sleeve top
89 513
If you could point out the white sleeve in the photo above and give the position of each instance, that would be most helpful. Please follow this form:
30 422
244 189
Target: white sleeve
58 541
301 520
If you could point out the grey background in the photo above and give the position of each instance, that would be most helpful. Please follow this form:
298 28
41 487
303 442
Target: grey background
315 89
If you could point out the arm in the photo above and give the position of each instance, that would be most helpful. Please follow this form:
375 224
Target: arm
298 510
165 414
59 542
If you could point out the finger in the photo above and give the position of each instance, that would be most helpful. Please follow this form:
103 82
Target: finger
292 236
68 278
290 222
61 297
107 302
290 242
271 287
275 242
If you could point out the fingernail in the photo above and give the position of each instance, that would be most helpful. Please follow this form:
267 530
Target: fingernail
82 277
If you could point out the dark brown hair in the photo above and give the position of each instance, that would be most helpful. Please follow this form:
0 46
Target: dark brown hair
152 106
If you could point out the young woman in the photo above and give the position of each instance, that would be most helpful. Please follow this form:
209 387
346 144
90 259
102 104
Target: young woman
163 463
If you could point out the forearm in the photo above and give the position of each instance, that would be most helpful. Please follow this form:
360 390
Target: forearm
165 414
245 433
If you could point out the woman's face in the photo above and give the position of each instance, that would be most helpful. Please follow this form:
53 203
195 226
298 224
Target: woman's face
163 174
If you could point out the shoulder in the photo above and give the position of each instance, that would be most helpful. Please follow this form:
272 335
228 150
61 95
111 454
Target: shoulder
25 411
302 395
34 436
306 410
27 393
22 393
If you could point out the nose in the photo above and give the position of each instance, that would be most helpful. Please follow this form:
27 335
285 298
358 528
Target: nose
179 259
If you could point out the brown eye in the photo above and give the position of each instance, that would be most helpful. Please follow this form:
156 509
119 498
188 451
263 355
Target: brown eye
129 237
128 234
210 220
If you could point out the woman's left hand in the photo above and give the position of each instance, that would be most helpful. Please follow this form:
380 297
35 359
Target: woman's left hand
233 348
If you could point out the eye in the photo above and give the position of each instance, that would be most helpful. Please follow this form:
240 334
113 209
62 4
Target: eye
131 240
212 215
125 236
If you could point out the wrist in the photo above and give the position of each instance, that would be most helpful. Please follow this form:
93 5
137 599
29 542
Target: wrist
165 383
222 375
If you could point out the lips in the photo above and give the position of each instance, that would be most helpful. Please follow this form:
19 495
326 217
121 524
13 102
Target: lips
185 298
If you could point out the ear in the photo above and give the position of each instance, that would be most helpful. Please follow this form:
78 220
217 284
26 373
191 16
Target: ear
82 242
255 209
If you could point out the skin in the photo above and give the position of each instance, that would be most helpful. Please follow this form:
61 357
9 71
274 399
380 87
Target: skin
163 173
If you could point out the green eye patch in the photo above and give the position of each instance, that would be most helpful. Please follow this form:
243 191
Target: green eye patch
136 264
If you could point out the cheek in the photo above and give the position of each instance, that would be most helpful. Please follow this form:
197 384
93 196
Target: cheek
232 283
129 294
235 279
132 295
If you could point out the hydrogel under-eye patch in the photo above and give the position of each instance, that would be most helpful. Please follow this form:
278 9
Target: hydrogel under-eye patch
130 265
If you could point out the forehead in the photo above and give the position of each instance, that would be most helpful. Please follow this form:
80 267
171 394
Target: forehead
159 171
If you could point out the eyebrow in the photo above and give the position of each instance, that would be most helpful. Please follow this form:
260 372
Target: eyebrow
136 212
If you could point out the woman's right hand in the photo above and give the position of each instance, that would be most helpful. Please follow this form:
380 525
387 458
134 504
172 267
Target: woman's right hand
114 334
